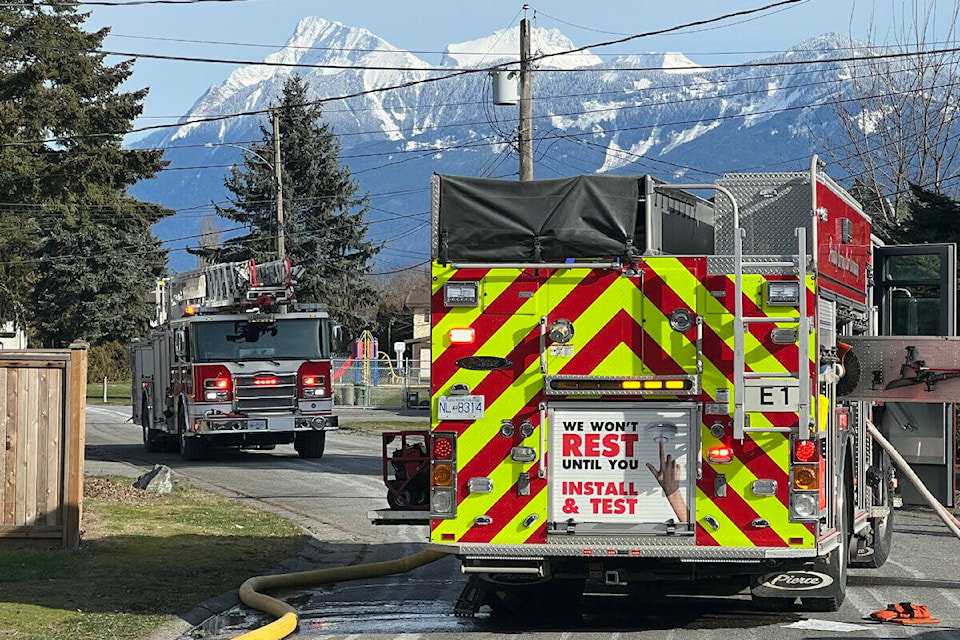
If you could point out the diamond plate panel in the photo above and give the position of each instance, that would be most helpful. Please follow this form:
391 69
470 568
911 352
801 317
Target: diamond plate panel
771 206
575 547
723 265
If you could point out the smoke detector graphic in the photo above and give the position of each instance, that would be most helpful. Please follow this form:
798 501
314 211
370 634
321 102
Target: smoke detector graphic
661 431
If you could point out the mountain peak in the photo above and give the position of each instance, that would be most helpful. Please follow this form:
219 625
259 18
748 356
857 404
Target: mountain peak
504 45
670 62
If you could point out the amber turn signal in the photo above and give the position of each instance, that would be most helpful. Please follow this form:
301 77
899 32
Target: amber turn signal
806 477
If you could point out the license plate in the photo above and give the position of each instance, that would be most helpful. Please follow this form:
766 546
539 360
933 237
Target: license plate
256 425
460 407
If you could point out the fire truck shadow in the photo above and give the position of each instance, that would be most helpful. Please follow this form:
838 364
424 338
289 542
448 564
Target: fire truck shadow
282 458
614 614
286 457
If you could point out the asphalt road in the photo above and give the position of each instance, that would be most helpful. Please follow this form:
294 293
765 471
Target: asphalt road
330 497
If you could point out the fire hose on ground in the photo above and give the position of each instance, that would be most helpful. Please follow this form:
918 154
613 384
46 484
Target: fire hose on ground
898 460
287 619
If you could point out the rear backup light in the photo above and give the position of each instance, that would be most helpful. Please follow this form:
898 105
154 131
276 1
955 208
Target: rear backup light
720 455
442 502
804 505
460 294
783 293
462 335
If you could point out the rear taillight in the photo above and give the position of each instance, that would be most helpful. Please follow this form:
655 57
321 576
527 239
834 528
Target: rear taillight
806 451
443 475
807 490
214 383
313 380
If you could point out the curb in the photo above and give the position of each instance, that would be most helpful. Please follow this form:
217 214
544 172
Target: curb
314 555
186 623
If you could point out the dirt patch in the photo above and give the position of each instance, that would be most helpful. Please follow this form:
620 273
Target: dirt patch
107 490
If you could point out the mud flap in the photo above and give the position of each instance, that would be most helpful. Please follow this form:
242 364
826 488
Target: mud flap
815 582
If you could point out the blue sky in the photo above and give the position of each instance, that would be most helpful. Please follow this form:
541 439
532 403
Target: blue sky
429 25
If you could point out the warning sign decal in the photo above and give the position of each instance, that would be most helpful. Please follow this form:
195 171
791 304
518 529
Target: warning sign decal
624 466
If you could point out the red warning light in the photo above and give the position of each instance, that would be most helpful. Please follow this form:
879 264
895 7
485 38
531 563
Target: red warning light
805 451
720 455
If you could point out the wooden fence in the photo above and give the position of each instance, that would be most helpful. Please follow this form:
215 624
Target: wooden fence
42 412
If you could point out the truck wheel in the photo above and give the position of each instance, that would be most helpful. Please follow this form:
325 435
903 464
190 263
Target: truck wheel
836 565
310 444
409 496
881 534
152 438
191 448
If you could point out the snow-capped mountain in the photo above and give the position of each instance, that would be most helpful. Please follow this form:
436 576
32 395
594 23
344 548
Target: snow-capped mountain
661 114
504 45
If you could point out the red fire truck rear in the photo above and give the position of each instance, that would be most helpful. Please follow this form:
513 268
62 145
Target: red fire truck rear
636 386
234 361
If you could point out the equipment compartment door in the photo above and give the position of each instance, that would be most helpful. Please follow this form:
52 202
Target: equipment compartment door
624 469
916 296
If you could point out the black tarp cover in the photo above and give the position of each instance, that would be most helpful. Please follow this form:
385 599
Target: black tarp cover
486 220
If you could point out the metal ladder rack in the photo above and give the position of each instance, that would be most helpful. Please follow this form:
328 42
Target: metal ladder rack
740 323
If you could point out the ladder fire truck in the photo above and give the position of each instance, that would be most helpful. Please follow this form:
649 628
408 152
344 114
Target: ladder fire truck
234 361
635 386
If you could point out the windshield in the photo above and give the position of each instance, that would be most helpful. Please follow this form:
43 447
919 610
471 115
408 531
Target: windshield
268 339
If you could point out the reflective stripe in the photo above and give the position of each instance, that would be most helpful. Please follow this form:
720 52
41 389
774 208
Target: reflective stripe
621 329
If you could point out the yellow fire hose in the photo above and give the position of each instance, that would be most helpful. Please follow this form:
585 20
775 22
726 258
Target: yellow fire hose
287 619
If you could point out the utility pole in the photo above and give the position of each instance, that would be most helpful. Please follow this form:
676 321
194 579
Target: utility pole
281 240
525 131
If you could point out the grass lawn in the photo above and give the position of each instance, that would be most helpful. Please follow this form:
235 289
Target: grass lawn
143 558
117 392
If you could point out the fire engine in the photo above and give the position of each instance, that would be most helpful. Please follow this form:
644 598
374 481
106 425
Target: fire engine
234 361
633 385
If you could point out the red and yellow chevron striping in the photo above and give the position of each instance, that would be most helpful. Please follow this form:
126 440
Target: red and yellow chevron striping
622 330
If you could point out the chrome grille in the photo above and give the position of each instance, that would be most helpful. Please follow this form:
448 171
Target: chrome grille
251 396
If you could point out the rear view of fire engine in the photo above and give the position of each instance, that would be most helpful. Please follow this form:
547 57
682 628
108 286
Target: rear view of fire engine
234 361
634 386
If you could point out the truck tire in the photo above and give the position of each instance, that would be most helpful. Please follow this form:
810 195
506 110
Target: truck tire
836 565
191 447
310 444
152 438
881 529
410 496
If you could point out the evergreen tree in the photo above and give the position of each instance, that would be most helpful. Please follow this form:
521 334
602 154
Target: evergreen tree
933 217
324 216
87 255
